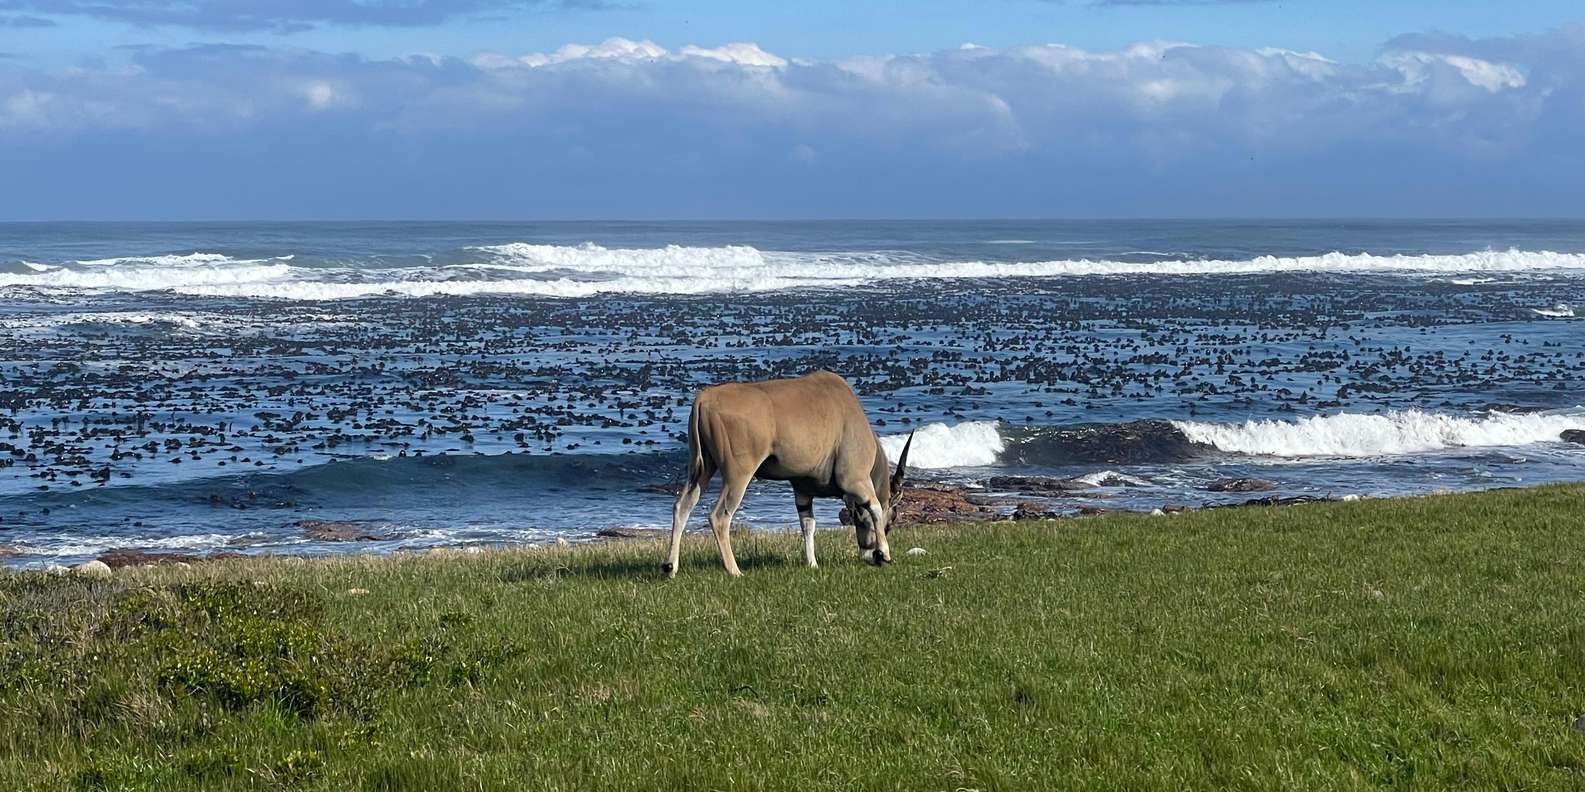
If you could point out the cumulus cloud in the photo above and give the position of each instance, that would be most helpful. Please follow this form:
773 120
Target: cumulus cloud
284 16
632 127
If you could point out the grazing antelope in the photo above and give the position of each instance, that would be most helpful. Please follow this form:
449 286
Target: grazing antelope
811 432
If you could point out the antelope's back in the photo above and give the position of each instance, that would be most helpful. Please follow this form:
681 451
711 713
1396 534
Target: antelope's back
805 419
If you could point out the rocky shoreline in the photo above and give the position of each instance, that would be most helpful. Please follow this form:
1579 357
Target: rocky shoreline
997 499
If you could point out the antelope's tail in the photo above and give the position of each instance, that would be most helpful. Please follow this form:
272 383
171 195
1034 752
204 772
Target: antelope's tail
696 467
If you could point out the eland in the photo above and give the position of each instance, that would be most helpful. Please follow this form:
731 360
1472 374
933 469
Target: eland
810 432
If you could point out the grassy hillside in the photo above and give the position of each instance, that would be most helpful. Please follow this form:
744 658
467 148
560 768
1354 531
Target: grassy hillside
1417 643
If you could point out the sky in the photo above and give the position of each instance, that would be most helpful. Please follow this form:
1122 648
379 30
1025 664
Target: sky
649 109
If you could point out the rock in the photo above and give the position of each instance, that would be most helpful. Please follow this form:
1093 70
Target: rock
984 500
1128 443
1174 508
1573 436
1091 511
357 592
10 551
1270 500
1157 513
916 551
1037 485
123 557
630 533
1242 485
1032 511
334 531
561 541
931 503
1579 723
1350 497
94 570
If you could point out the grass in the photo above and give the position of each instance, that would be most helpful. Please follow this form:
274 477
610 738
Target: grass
1419 643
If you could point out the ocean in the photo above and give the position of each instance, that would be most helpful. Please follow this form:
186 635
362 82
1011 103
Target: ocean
204 387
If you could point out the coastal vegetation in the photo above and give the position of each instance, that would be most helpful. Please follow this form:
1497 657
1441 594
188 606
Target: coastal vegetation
1411 643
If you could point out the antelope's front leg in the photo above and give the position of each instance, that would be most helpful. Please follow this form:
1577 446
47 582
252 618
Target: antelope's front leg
806 525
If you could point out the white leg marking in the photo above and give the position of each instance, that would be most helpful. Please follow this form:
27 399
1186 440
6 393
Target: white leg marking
882 550
807 525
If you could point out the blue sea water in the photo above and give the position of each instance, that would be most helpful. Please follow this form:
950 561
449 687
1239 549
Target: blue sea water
204 386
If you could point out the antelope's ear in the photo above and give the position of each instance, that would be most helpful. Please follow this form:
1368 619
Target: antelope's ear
902 465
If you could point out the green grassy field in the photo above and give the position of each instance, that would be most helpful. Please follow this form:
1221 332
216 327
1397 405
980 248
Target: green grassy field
1417 643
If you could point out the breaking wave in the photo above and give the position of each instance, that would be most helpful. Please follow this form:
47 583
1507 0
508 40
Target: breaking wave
1343 435
937 446
589 269
1388 434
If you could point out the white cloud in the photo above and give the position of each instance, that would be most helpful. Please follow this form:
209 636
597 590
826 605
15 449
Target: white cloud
1420 68
740 53
614 49
320 94
627 51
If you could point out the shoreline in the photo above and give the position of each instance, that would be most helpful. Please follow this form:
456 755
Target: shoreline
932 505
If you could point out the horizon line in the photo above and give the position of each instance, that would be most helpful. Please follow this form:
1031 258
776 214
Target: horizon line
872 219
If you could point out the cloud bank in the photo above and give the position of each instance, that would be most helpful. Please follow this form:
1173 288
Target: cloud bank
1436 125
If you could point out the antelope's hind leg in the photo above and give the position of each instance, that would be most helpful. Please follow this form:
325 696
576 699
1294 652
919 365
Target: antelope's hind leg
683 508
732 488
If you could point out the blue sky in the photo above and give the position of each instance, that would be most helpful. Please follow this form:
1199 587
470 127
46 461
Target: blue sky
173 109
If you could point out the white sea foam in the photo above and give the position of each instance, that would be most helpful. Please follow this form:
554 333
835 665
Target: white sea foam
1103 477
1559 311
158 273
1388 434
584 270
172 260
94 545
138 318
53 321
937 445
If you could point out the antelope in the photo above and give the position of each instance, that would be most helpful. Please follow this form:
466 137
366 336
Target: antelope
811 432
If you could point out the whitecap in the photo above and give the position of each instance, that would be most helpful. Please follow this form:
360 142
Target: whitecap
1395 433
590 269
938 445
